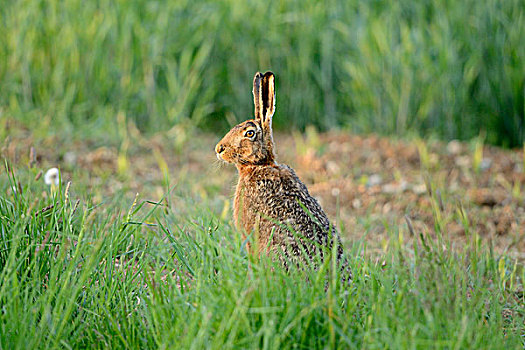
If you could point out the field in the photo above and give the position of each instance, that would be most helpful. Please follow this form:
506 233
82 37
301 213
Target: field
134 246
86 264
447 68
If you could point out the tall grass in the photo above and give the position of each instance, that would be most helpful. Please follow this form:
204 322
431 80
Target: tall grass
450 68
75 275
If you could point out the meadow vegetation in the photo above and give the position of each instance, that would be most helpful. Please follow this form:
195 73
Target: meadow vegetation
117 93
448 68
79 274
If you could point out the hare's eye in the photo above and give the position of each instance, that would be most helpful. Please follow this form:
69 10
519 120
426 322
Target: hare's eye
249 133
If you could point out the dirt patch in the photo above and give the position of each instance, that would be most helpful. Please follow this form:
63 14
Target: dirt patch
365 183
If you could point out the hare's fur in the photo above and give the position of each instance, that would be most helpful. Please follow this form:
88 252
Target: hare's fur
270 201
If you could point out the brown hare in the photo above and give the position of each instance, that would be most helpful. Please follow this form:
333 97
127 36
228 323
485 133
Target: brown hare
270 200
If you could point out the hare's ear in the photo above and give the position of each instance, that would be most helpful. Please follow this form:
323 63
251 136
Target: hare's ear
268 97
264 97
257 96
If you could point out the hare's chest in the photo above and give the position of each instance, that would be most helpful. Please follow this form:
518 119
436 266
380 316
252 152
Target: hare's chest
266 198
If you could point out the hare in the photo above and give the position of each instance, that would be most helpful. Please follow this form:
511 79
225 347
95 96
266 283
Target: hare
270 200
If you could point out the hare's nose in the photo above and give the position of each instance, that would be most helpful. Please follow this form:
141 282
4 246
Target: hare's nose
219 149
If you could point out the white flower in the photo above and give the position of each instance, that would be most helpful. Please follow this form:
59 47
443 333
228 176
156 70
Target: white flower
52 177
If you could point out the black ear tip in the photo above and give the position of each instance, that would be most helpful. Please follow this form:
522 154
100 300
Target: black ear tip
258 75
268 74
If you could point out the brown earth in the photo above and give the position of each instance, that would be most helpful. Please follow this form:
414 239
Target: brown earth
367 184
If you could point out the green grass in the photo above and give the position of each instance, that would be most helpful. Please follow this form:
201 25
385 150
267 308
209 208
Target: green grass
79 274
83 269
450 68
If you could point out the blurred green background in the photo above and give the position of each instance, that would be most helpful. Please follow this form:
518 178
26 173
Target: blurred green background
448 68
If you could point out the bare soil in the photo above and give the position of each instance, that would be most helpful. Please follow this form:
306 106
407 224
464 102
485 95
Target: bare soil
367 184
